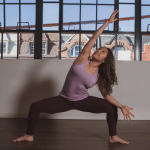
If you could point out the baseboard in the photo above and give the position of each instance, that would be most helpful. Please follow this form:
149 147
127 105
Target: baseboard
83 116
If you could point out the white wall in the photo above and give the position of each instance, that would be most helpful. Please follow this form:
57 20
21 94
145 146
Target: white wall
25 81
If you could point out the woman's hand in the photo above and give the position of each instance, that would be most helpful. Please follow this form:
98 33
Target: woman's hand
111 19
126 112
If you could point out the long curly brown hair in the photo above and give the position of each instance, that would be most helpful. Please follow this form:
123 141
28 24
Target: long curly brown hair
107 75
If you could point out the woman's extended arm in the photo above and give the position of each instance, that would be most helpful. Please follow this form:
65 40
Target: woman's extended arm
87 48
97 33
125 109
110 20
113 101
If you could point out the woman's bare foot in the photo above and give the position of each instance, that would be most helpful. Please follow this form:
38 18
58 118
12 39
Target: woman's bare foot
114 139
24 138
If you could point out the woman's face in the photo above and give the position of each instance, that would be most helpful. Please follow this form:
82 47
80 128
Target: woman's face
100 54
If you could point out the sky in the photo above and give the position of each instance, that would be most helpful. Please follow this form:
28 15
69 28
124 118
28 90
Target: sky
71 14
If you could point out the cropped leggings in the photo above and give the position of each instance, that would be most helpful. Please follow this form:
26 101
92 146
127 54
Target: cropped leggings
58 104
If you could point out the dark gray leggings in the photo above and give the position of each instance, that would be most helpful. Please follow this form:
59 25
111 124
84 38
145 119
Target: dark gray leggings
58 104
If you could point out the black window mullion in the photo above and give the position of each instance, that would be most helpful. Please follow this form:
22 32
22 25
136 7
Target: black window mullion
19 14
96 21
80 29
4 13
60 24
38 31
2 31
18 45
116 24
138 51
2 46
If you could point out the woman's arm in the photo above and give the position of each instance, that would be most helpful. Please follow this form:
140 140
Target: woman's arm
88 46
110 20
125 109
97 33
113 101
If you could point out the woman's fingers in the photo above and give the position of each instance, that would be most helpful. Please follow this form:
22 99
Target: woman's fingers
125 117
129 116
115 19
116 11
132 114
127 113
113 16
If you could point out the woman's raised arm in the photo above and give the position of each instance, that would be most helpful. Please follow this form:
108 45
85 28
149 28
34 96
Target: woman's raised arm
87 48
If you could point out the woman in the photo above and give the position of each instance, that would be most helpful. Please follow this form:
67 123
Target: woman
83 74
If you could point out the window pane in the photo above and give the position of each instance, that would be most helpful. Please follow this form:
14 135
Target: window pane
9 45
106 40
28 16
11 1
89 1
1 17
71 1
145 20
71 15
106 1
124 50
50 49
101 16
1 1
145 47
43 45
145 2
4 47
68 43
76 53
71 52
77 48
126 1
87 16
12 16
28 1
26 46
125 47
50 16
125 24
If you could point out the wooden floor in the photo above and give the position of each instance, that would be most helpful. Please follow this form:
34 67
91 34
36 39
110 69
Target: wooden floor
52 134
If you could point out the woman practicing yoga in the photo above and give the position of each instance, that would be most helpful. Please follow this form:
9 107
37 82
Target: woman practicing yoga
83 74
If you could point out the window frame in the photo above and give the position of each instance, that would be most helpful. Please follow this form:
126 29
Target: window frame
38 30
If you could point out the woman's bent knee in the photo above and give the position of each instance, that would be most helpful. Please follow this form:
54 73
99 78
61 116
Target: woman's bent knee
33 105
113 109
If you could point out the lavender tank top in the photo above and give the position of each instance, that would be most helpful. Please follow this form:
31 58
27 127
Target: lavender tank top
77 82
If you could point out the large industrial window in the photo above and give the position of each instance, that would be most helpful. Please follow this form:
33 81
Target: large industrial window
54 29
